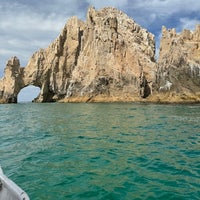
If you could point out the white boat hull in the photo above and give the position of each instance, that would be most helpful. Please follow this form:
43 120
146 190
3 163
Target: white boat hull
9 190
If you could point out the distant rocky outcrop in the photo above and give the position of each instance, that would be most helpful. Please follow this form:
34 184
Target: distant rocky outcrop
178 67
108 58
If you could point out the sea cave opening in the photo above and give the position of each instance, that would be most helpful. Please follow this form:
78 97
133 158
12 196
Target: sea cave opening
28 94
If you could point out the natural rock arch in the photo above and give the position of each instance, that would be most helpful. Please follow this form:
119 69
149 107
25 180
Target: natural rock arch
15 79
107 57
108 46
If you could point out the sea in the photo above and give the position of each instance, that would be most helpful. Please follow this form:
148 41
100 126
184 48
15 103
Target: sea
102 151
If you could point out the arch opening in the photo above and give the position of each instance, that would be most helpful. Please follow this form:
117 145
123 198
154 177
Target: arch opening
28 94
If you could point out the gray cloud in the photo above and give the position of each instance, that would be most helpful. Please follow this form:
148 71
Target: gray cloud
102 3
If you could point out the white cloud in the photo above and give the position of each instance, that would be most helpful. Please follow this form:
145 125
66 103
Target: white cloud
103 3
28 27
151 11
163 7
22 18
187 23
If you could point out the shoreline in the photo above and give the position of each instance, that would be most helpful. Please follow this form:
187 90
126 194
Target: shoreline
155 99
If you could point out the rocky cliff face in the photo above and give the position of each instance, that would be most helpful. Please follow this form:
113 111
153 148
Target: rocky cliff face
108 58
178 67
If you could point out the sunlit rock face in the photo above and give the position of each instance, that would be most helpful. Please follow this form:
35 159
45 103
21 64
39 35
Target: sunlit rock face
10 84
108 57
178 71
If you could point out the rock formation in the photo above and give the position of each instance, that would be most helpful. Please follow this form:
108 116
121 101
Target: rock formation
178 67
108 58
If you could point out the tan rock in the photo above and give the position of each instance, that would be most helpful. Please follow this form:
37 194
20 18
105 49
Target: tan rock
179 63
107 55
11 82
109 58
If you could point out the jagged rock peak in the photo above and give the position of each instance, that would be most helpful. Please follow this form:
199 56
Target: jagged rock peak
109 56
13 62
185 34
114 18
179 63
187 41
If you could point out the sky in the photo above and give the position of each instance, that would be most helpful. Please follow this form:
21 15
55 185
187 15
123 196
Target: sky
26 26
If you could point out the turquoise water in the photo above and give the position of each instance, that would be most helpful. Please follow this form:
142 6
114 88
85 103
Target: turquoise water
102 151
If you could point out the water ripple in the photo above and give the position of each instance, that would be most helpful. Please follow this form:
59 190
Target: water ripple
102 151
